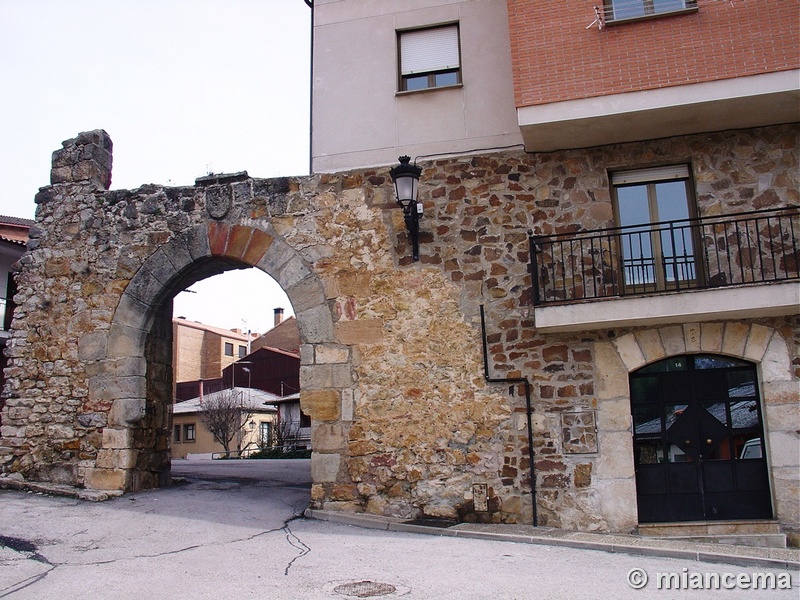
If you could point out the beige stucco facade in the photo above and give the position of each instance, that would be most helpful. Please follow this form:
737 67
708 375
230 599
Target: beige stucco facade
356 42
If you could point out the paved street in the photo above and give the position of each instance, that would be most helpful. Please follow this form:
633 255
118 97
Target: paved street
231 530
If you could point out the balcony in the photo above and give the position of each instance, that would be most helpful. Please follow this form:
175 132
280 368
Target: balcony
732 266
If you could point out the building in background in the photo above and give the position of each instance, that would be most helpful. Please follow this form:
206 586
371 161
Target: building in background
651 150
13 239
191 436
201 352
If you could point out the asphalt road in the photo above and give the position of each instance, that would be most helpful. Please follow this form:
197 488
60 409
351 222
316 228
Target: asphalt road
232 530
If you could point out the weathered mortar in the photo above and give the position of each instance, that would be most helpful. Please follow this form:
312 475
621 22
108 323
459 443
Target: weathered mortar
403 421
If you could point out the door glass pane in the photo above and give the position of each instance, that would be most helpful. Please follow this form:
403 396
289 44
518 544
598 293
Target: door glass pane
649 451
677 363
676 243
645 389
632 204
647 420
673 411
741 384
718 410
702 361
671 201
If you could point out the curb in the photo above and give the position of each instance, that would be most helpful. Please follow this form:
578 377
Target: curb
645 547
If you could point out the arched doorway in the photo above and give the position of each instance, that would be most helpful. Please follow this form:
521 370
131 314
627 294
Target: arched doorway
699 440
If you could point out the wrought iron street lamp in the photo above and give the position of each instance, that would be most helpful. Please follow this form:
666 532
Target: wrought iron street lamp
406 177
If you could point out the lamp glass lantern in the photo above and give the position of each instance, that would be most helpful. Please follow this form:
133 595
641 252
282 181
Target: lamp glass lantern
406 179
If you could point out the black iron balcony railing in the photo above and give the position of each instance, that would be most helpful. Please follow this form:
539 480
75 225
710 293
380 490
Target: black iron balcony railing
744 248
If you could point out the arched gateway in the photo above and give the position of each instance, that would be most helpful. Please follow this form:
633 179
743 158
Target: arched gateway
90 388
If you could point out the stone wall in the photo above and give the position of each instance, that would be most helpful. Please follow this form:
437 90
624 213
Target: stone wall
404 421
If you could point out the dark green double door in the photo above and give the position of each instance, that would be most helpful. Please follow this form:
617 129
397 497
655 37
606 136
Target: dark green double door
699 441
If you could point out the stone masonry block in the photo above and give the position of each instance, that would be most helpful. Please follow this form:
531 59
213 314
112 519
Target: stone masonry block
672 339
126 412
197 242
161 267
103 387
331 354
361 331
757 342
348 405
117 438
306 294
145 287
650 343
217 237
125 341
324 467
691 336
321 405
711 337
238 240
610 372
258 246
776 365
106 479
275 257
92 346
781 392
735 338
614 415
316 325
292 272
330 438
630 352
178 254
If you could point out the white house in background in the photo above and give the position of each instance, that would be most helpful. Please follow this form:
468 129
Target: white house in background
191 437
293 427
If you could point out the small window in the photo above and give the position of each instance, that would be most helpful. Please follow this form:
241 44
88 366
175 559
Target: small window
242 351
429 58
623 10
228 349
189 432
176 434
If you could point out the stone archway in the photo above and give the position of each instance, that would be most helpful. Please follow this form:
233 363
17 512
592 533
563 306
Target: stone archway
91 381
133 362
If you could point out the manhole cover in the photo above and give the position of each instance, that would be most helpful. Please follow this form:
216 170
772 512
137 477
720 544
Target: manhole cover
364 589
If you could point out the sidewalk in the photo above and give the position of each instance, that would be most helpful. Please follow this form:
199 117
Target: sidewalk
744 556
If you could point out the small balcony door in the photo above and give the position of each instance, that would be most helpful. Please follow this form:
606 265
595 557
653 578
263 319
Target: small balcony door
655 257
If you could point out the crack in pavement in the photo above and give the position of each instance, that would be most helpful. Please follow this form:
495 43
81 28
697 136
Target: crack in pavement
294 542
31 552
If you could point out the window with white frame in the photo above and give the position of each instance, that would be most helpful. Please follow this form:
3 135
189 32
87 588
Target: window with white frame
621 10
429 58
189 432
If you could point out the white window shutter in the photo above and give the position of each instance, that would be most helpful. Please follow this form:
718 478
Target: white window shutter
426 50
653 174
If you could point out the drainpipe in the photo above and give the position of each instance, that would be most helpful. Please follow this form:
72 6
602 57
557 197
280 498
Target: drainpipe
529 410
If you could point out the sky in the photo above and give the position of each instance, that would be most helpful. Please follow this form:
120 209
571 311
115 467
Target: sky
183 87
